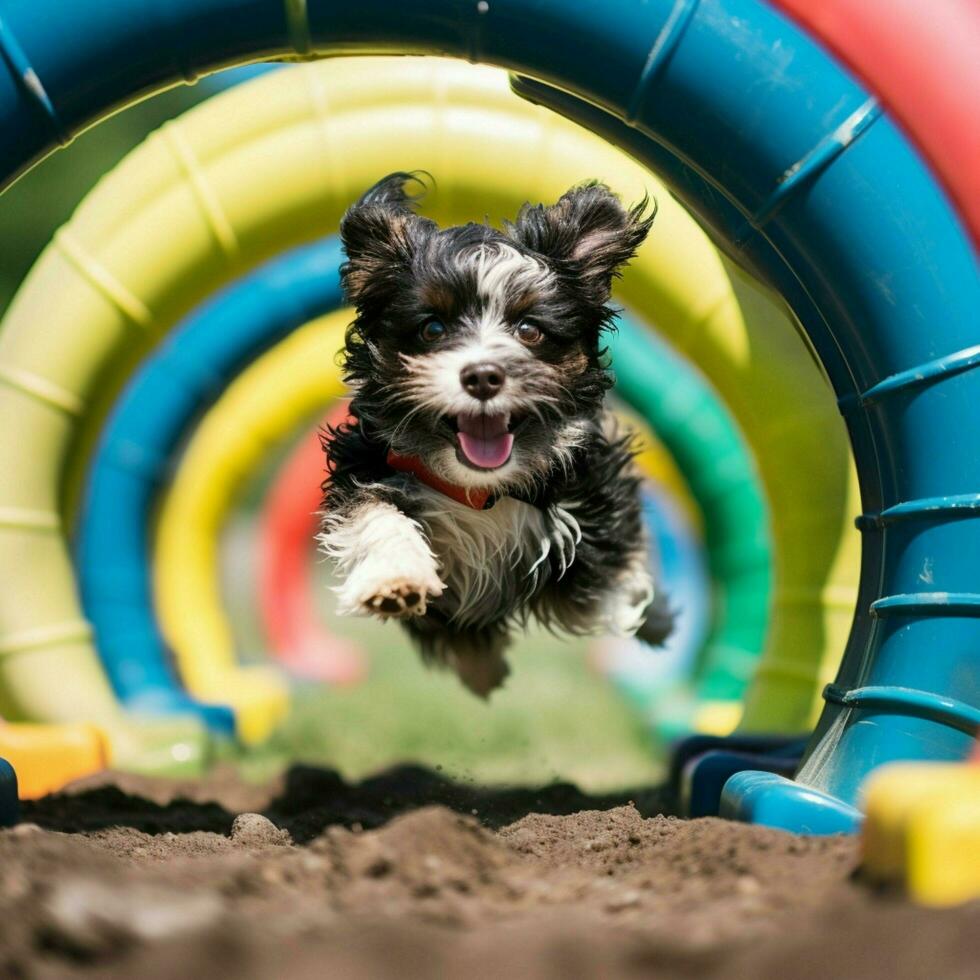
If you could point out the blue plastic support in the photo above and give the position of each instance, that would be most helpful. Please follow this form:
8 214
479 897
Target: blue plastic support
727 99
766 797
706 776
137 451
686 751
9 805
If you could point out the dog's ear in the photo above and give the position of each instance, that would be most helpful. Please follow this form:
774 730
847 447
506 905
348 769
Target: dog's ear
379 234
588 231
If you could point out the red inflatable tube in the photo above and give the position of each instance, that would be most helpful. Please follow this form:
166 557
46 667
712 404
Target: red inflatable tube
922 60
297 636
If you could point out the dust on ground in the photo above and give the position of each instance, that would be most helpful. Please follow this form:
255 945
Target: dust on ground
411 875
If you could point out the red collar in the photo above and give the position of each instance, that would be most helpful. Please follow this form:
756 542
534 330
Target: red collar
476 499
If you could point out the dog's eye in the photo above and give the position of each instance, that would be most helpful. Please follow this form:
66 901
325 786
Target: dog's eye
432 330
528 333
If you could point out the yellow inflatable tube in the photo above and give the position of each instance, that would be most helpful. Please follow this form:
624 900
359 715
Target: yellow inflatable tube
274 163
281 392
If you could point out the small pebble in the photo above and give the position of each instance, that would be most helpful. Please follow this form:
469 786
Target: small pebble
25 830
254 830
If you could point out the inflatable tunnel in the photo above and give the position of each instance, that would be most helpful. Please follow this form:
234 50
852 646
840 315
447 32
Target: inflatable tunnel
809 172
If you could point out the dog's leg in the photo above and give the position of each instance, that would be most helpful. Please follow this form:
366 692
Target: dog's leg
604 585
596 597
482 671
390 569
475 654
623 609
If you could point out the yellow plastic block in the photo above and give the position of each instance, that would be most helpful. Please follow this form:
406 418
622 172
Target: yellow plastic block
923 830
47 757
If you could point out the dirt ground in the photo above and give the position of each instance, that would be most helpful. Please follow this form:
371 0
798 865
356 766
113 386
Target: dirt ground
409 875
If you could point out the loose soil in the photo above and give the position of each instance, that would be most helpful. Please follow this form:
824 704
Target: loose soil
410 875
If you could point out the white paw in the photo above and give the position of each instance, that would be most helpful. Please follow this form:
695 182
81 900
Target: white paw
390 569
626 607
380 588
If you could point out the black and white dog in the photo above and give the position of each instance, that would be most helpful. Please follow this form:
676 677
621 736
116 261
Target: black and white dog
479 482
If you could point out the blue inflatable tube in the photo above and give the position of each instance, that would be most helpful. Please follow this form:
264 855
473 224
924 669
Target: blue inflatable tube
889 415
137 450
780 151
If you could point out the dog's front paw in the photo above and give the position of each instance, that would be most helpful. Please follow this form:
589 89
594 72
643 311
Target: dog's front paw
399 599
376 588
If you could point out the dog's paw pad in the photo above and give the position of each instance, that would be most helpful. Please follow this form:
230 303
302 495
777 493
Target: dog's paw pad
398 599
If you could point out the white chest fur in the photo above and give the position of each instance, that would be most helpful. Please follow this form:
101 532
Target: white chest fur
476 567
490 560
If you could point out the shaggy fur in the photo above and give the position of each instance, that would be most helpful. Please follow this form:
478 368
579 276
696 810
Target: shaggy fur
478 352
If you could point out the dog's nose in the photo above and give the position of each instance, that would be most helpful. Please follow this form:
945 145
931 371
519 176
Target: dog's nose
482 381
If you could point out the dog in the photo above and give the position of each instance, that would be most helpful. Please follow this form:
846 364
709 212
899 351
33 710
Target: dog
480 483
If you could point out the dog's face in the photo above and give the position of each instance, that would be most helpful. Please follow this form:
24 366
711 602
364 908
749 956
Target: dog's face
478 350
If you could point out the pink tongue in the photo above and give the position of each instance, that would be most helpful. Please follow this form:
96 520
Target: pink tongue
486 444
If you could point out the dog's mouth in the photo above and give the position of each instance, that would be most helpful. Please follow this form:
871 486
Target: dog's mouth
483 441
